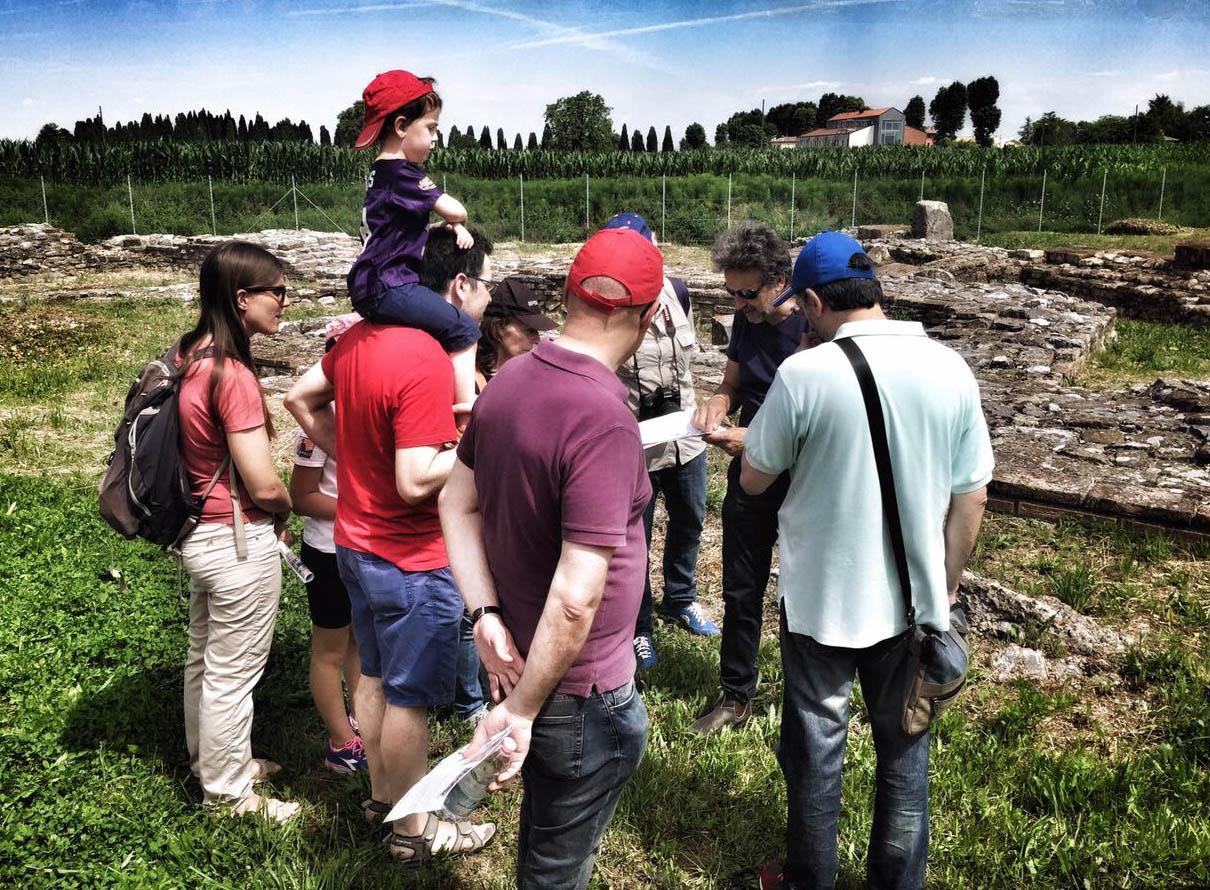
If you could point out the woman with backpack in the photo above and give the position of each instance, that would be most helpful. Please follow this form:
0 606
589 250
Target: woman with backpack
231 556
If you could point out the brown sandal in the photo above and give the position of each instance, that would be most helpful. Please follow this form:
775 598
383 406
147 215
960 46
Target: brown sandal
374 810
421 845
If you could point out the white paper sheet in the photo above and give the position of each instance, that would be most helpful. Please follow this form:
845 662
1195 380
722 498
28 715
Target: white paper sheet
669 428
428 795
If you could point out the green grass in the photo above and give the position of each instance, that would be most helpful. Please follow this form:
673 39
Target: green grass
96 790
1161 244
1143 350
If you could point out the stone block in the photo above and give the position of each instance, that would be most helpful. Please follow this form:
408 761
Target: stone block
1058 256
1194 254
931 221
872 233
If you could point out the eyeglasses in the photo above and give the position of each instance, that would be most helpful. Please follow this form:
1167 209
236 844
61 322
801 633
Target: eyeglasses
279 291
752 293
486 282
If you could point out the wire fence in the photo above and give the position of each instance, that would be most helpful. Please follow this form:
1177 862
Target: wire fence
689 210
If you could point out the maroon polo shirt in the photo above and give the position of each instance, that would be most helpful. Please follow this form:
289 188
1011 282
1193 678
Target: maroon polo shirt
557 457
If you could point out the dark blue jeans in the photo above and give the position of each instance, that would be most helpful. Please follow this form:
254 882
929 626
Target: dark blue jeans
470 690
684 490
581 754
814 731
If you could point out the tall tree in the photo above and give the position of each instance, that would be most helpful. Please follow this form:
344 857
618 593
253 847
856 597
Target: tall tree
653 141
501 144
792 118
532 145
455 137
517 146
695 137
720 135
580 123
982 94
832 104
636 141
1049 129
1167 116
348 123
666 145
914 112
948 111
325 138
624 140
547 137
485 137
748 128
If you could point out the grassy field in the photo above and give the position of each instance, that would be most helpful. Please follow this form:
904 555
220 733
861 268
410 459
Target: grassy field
1089 784
693 210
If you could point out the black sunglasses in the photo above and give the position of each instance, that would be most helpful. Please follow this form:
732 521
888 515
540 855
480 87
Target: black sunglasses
751 293
279 291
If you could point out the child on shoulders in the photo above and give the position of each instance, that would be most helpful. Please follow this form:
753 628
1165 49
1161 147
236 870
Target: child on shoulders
402 113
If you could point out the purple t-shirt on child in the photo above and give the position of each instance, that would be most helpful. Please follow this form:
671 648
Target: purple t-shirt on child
394 227
557 457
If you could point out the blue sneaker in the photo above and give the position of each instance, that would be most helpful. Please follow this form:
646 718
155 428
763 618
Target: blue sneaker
693 619
350 758
644 652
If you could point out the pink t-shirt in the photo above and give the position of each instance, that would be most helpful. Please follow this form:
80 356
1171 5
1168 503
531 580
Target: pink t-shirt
204 443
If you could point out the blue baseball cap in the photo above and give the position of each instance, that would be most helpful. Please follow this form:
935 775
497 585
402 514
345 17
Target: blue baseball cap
631 221
828 257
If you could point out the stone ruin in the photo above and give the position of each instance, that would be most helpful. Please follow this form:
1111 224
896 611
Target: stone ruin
1026 321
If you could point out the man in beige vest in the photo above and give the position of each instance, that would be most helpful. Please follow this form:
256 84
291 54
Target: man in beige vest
659 378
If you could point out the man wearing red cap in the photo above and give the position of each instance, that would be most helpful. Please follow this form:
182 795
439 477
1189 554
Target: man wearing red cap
543 517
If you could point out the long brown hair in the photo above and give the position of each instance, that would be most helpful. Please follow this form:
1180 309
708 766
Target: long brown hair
228 268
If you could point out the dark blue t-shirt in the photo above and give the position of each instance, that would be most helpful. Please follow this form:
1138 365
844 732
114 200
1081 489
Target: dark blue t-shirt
759 349
394 227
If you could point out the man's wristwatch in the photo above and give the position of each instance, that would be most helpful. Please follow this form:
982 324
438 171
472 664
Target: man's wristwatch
483 610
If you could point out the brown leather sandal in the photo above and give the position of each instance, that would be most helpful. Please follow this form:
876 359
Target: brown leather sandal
374 810
421 845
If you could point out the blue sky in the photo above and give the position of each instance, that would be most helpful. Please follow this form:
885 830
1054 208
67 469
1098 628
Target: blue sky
499 63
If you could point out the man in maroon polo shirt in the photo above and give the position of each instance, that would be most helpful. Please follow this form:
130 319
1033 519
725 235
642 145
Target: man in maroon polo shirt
551 496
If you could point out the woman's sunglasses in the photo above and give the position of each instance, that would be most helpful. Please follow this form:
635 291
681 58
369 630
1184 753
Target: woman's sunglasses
279 291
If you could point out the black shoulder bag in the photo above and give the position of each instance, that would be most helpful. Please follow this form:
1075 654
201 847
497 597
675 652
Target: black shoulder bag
936 663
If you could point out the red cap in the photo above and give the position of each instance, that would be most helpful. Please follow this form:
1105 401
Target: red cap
388 92
626 257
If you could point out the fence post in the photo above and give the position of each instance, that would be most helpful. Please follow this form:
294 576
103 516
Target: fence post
587 224
1042 204
728 200
213 224
1101 215
1163 182
853 222
793 183
921 198
46 207
664 208
130 194
979 226
521 176
294 194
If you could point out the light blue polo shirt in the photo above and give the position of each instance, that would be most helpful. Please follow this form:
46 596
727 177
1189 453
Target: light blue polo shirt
838 580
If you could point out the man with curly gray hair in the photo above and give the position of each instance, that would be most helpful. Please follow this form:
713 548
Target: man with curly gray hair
755 263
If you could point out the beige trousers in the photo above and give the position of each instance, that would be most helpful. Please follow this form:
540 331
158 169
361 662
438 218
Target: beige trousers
232 610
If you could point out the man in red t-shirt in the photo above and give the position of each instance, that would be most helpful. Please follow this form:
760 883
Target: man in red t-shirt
393 433
543 515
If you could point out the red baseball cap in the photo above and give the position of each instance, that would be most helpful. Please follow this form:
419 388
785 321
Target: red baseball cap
626 257
388 92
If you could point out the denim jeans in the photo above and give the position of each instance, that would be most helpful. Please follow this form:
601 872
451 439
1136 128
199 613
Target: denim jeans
684 490
749 533
470 695
581 754
814 730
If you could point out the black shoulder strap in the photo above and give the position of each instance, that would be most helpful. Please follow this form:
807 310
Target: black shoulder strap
886 475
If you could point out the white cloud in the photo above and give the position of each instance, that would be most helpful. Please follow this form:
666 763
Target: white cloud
930 80
795 87
1101 74
585 39
29 102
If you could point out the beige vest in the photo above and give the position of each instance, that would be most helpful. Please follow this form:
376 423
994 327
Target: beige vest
665 358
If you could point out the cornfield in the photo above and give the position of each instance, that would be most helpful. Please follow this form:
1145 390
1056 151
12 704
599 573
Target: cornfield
151 162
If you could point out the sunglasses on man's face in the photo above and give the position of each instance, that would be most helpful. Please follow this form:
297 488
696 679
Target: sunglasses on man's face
279 291
746 294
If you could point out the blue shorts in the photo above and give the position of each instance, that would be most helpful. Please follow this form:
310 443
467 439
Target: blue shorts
416 306
406 627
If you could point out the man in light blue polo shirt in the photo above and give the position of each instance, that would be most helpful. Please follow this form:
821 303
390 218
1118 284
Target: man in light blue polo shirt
842 607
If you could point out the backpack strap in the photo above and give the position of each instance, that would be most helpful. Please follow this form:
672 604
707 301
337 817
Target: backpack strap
886 475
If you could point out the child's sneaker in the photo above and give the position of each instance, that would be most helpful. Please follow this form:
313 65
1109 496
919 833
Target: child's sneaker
349 758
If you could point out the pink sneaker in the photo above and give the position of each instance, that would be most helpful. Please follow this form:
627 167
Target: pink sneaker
349 758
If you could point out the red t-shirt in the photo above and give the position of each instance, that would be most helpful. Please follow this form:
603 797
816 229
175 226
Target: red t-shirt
394 389
557 457
204 443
